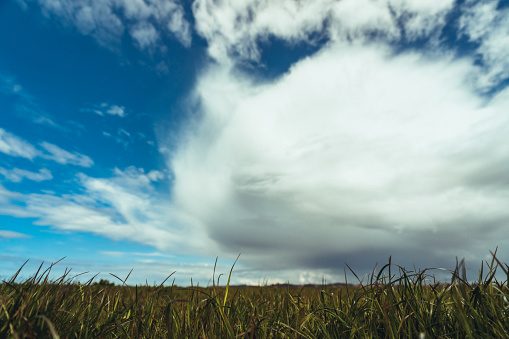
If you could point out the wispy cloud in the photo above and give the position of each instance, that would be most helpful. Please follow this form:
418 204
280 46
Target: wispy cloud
488 27
123 207
234 29
122 137
24 104
116 110
12 145
105 108
64 157
12 235
17 175
145 35
136 254
108 20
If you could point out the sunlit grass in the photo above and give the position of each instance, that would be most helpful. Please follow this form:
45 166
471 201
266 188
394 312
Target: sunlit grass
389 303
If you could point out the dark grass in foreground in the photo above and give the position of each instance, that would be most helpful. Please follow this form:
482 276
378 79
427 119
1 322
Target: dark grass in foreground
390 304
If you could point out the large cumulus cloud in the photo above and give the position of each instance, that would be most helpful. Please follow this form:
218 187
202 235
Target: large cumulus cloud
358 152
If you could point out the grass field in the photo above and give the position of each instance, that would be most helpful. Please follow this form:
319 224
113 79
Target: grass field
390 303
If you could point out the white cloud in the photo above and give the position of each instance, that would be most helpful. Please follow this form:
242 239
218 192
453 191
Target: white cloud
101 19
124 207
64 157
145 35
116 110
489 27
105 108
179 26
155 175
17 175
12 145
233 29
356 153
421 18
124 132
12 235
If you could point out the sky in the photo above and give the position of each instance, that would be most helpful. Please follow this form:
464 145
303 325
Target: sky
158 135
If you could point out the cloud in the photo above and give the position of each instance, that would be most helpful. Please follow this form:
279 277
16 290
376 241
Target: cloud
106 108
64 157
17 175
234 29
488 26
123 207
140 254
155 176
12 235
9 85
12 145
145 35
108 20
355 155
116 110
122 131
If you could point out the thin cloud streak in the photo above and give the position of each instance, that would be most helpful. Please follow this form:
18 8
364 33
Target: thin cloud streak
64 157
17 175
12 235
15 146
11 144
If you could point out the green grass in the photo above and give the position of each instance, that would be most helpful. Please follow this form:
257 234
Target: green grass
390 303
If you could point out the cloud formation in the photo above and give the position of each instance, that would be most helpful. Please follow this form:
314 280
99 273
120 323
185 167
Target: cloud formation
12 235
108 20
17 175
105 108
116 110
64 157
122 207
234 29
358 152
13 145
482 23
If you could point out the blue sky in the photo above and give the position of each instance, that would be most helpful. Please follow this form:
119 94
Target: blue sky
158 135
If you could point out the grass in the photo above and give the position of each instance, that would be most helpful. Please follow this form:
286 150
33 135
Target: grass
386 304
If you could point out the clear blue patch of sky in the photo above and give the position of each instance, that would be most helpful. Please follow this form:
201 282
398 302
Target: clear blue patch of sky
278 55
502 4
